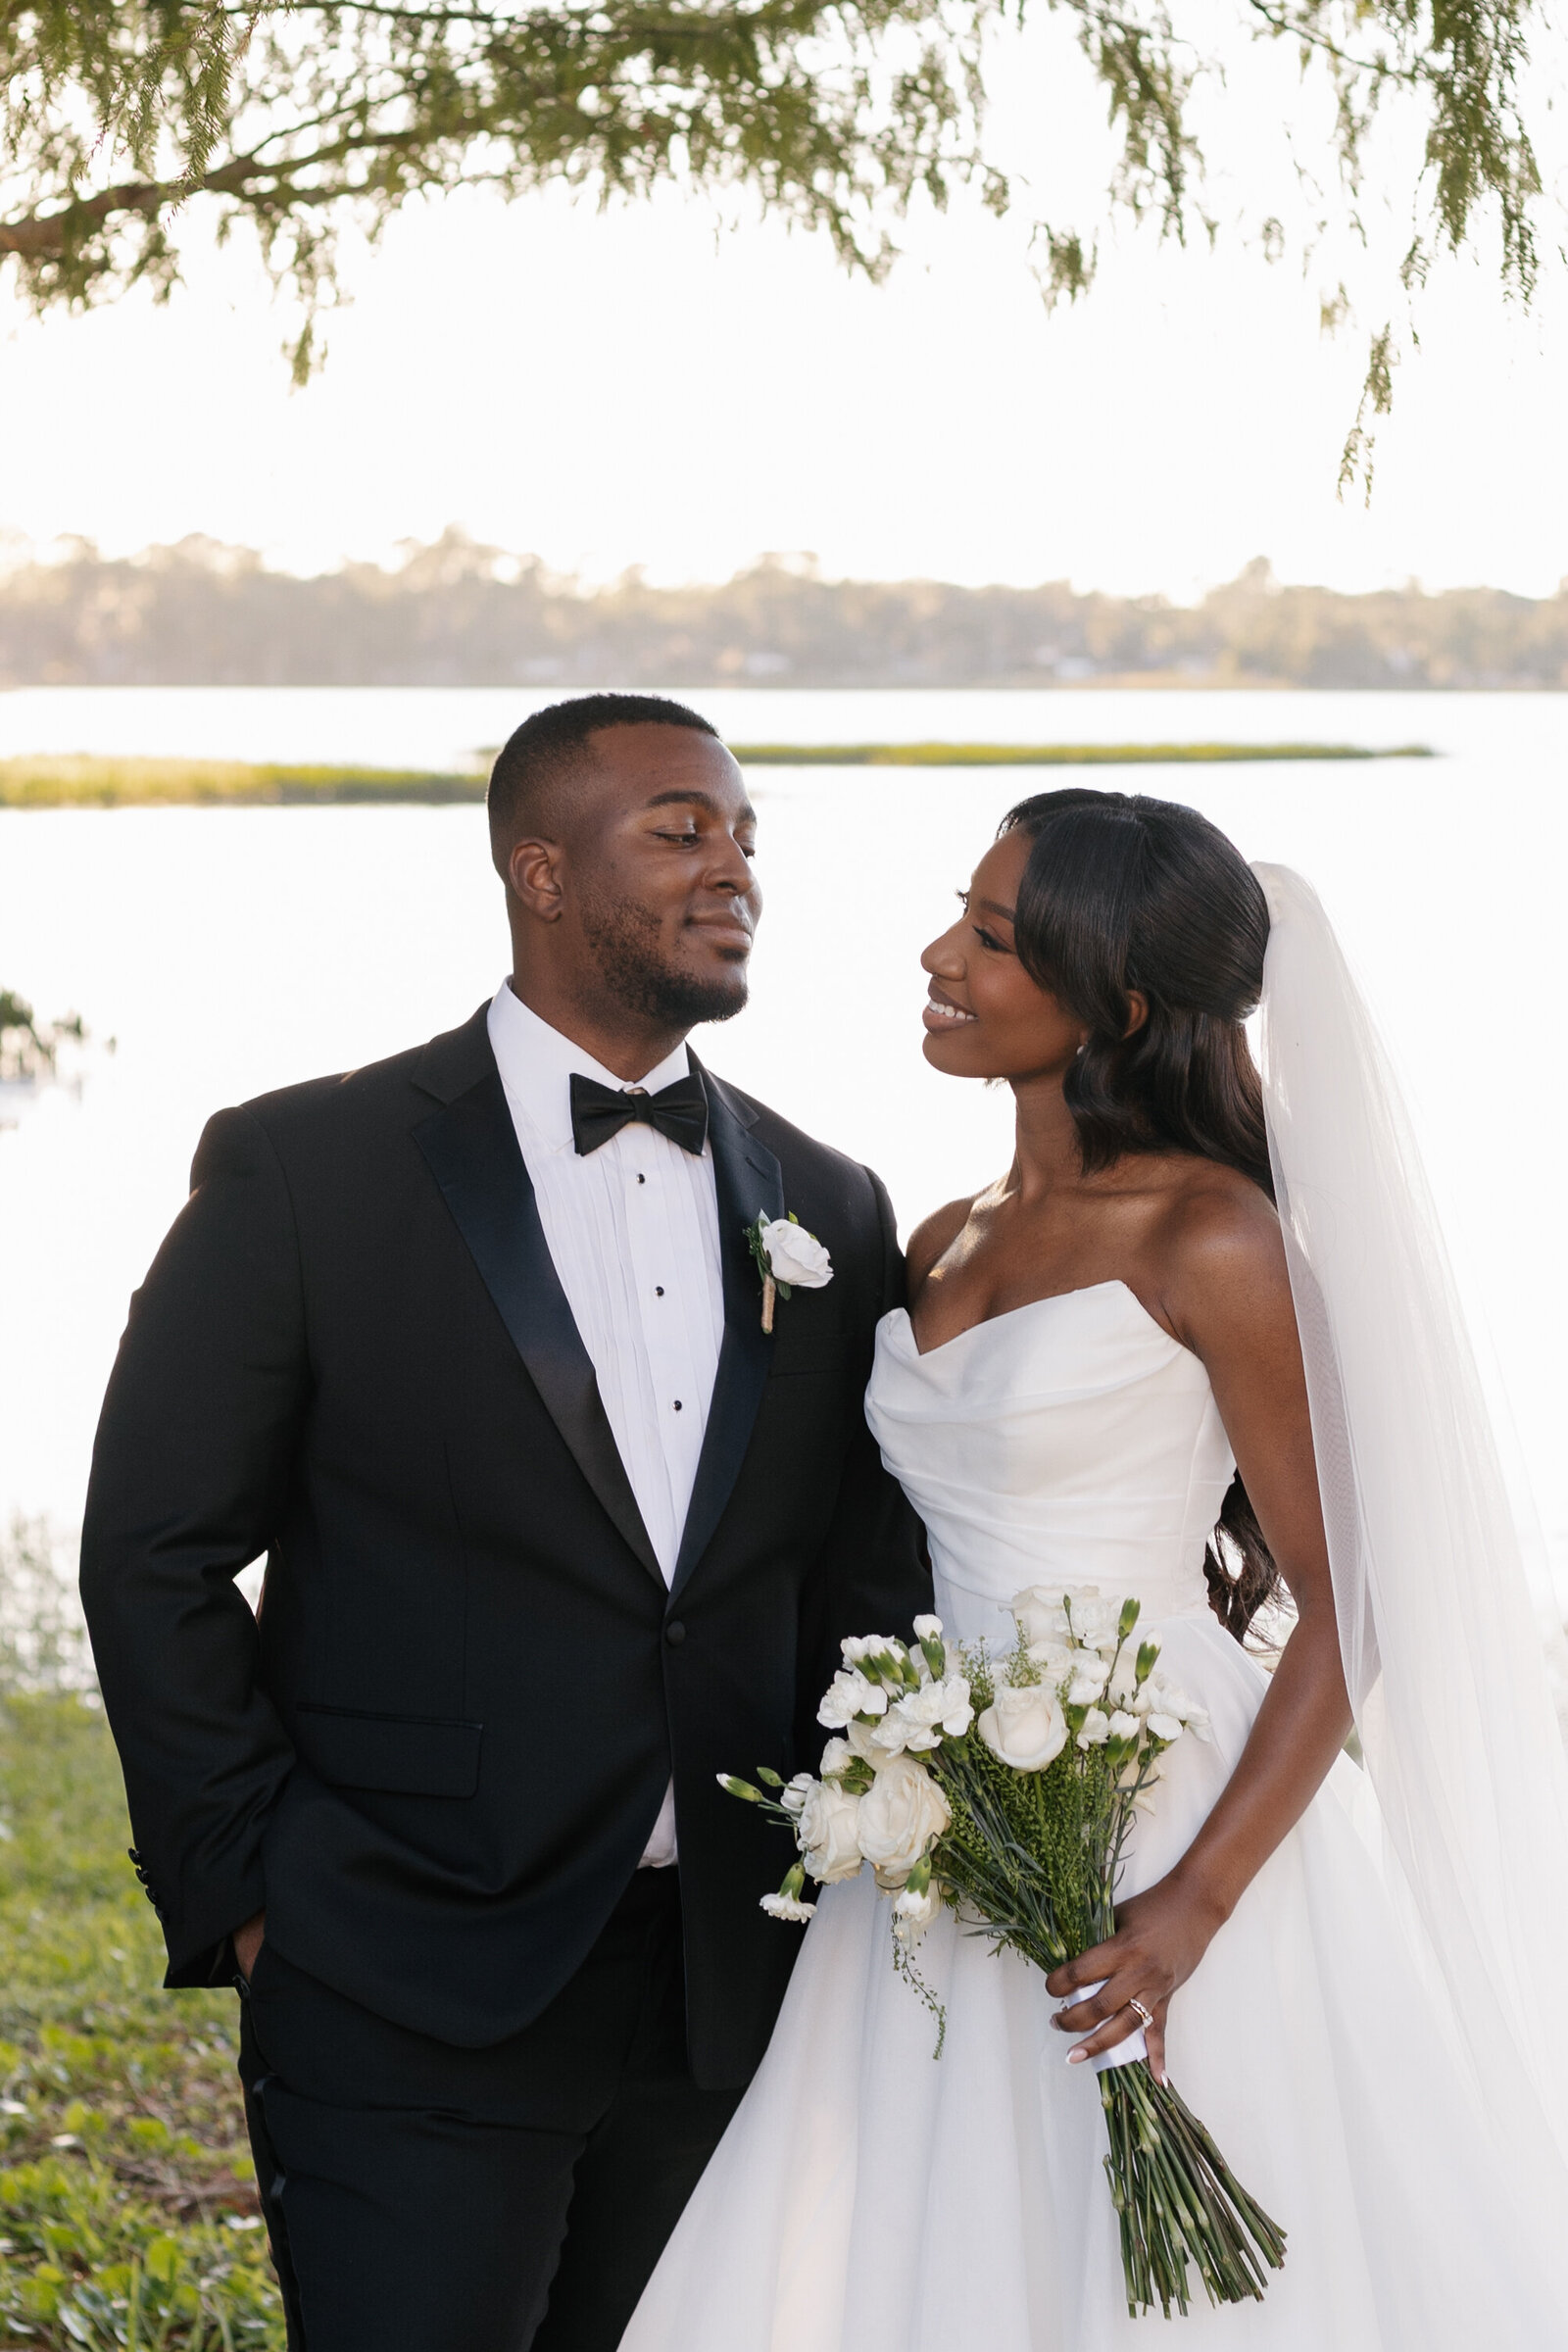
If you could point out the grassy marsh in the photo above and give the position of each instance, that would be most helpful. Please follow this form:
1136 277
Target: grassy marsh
127 2206
77 780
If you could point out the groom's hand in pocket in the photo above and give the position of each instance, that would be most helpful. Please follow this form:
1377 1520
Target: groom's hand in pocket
1161 1935
248 1941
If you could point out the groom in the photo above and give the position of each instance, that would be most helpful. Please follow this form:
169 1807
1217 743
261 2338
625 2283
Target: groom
469 1345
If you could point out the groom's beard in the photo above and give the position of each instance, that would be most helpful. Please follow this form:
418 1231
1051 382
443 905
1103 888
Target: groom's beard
625 937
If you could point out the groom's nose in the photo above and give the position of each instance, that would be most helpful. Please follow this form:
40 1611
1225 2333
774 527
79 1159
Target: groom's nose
731 870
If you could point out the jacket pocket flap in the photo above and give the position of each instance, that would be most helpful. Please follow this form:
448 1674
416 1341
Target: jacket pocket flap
404 1756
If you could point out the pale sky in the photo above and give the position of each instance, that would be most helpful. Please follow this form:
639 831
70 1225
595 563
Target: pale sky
645 386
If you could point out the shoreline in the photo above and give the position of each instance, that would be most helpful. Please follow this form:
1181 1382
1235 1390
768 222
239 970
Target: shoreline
52 780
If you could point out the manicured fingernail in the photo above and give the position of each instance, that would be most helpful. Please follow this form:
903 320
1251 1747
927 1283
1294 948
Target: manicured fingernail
1077 2057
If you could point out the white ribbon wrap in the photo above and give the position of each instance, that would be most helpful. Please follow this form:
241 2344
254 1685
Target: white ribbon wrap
1125 2053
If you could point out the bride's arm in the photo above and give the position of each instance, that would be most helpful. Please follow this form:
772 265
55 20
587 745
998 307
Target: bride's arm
1224 1292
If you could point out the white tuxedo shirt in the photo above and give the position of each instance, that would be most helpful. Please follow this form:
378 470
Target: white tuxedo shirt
633 1231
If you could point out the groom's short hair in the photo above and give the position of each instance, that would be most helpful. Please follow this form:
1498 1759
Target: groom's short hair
543 755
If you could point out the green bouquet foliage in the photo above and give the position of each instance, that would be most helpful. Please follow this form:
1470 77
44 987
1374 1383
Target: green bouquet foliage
1005 1789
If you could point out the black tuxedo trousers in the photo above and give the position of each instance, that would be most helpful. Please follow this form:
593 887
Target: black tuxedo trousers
437 1754
434 2199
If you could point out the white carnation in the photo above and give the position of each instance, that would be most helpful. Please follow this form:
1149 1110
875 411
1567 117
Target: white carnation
922 1718
891 1735
850 1694
1096 1729
914 1913
788 1906
1057 1660
1094 1621
1187 1710
1160 1698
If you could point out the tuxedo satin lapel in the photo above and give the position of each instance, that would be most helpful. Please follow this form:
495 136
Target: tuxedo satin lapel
471 1149
747 1180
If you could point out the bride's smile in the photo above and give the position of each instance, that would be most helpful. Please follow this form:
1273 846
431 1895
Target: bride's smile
985 1016
941 1011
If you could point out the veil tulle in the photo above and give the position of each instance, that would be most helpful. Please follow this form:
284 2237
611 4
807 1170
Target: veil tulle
1441 1648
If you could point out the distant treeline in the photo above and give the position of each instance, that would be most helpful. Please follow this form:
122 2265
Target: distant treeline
459 615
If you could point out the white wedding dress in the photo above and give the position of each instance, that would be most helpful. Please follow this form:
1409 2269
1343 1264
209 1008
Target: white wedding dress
871 2198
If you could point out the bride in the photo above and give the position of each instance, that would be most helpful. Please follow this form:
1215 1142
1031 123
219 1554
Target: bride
1196 1345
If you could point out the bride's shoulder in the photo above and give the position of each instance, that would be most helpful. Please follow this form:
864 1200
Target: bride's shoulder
1218 1228
934 1235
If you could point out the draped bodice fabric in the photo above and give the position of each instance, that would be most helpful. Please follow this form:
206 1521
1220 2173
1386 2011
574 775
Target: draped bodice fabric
1072 1440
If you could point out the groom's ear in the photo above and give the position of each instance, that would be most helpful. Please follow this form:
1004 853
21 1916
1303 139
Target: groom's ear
533 879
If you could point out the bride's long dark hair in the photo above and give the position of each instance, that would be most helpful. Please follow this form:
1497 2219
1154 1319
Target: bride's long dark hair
1120 892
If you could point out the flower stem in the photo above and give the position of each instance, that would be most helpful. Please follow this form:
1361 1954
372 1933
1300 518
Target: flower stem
1178 2202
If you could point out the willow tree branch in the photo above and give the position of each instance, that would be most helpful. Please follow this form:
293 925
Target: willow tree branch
1375 69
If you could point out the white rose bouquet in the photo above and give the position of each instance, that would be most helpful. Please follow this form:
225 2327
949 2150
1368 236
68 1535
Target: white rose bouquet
1006 1788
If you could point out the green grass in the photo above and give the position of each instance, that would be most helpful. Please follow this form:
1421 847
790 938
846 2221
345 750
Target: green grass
127 2206
77 780
74 780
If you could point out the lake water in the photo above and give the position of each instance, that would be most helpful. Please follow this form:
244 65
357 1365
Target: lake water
228 951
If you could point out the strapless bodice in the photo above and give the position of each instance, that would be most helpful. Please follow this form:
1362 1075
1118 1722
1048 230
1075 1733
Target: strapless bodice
1071 1442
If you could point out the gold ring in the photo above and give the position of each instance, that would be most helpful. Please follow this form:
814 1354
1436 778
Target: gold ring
1148 2015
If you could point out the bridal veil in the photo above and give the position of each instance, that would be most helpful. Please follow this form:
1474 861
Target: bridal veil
1442 1650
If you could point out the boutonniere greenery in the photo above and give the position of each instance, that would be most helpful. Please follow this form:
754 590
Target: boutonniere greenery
788 1258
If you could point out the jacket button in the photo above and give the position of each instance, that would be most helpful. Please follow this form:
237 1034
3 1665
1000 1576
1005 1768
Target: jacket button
675 1632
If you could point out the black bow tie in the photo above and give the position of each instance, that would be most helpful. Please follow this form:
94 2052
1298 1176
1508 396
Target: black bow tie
598 1112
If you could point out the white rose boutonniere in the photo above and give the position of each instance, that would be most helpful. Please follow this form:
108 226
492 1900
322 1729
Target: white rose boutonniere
788 1258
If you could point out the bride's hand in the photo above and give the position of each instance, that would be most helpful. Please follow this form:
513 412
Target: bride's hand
1161 1935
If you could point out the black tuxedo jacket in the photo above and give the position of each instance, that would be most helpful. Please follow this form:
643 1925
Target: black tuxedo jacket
437 1754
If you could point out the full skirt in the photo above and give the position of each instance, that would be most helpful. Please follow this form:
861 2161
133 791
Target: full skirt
871 2197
